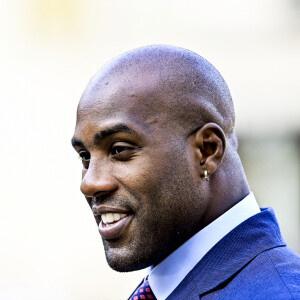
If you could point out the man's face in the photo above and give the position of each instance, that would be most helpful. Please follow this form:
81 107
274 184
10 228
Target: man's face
137 172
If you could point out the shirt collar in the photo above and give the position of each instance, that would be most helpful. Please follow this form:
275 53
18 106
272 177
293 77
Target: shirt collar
167 275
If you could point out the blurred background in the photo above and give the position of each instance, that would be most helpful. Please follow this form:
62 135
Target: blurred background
50 246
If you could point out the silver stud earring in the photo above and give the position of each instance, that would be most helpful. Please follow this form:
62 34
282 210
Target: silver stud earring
206 175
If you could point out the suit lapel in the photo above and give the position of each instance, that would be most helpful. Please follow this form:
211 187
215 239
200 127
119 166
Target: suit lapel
255 235
186 290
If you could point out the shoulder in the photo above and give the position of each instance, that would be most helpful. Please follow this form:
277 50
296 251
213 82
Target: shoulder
286 267
273 274
250 262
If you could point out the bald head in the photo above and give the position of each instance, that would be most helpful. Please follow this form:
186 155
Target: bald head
152 126
196 92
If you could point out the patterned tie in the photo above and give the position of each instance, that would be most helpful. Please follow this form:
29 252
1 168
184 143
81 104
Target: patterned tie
143 292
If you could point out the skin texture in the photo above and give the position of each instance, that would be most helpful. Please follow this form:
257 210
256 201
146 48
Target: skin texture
148 124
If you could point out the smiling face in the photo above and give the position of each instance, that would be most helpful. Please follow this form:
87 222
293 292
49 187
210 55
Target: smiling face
137 172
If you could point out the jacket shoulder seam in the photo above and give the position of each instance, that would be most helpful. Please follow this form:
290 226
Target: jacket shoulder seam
271 260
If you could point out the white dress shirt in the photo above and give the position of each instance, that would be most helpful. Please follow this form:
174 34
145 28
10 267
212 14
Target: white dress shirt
167 275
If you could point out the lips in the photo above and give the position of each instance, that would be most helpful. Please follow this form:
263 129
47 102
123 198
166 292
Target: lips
116 229
114 221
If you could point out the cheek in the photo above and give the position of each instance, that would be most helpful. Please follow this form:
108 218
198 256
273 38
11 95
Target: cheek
182 202
144 181
140 174
162 186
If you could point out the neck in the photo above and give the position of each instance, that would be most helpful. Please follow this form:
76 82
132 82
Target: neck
227 186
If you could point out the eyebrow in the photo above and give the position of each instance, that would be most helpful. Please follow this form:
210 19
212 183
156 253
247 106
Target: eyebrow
77 143
99 136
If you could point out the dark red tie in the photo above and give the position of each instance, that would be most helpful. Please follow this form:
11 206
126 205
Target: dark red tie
143 292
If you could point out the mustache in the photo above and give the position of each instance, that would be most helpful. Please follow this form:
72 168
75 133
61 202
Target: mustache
118 202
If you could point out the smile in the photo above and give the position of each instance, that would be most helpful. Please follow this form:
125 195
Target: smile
113 225
109 219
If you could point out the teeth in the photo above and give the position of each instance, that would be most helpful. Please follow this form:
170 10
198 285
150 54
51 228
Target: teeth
116 217
103 217
111 217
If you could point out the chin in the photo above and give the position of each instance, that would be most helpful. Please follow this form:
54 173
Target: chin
121 264
122 260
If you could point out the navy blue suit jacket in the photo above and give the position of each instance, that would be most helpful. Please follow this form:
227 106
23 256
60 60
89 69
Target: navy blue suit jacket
250 262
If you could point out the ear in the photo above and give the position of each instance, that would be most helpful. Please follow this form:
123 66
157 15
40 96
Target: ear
209 146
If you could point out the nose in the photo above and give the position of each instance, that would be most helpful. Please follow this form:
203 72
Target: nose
97 182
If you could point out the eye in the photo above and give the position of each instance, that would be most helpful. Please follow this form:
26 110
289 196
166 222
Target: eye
122 151
85 157
119 149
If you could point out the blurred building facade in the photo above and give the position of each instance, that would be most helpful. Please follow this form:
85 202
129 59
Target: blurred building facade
50 49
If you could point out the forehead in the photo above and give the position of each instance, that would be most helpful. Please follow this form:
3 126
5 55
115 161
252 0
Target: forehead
133 97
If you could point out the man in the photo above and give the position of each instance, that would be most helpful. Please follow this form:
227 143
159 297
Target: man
165 183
